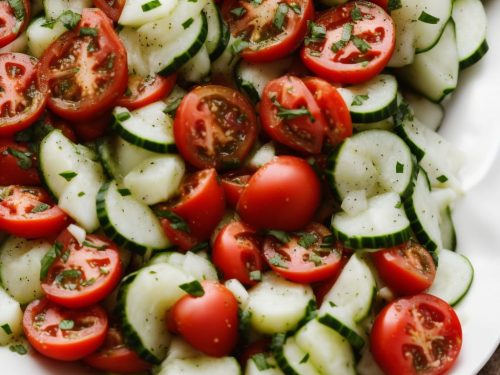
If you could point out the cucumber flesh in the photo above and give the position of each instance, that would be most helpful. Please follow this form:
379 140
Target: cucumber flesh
40 37
428 33
11 315
133 14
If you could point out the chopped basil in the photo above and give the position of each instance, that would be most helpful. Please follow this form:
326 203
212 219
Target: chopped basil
69 274
124 192
279 16
256 2
361 44
172 106
123 116
346 32
18 9
305 358
193 288
69 19
307 239
199 247
328 241
394 5
192 1
359 100
40 208
398 205
88 31
93 246
49 24
238 12
316 259
428 18
66 324
175 220
442 178
316 33
6 328
88 282
277 261
261 363
356 14
400 168
244 327
49 258
281 236
19 349
289 114
23 159
238 46
256 275
403 113
103 270
146 7
81 194
68 175
187 23
65 256
295 7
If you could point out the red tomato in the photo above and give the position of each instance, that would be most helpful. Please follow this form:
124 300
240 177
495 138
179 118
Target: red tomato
112 8
236 252
381 3
63 334
290 115
308 256
22 99
182 238
13 21
17 164
91 130
85 69
357 46
272 28
28 212
115 356
233 187
82 275
406 269
283 194
215 127
416 335
210 322
335 111
143 91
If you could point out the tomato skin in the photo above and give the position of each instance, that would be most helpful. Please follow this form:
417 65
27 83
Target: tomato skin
215 127
143 91
12 172
406 269
112 8
16 215
96 75
279 45
101 264
10 26
115 356
91 130
18 110
349 64
283 195
210 322
236 252
335 111
303 133
183 240
233 188
41 326
397 336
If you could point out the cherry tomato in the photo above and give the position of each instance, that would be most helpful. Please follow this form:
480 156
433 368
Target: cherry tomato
307 256
17 164
85 69
233 186
357 45
63 334
13 21
335 111
112 8
90 130
236 253
210 322
272 28
178 235
22 99
82 275
28 212
416 335
115 356
143 91
290 115
215 127
283 194
406 269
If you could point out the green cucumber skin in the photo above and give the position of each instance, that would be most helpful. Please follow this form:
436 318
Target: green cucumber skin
223 40
352 337
278 341
375 116
245 86
475 57
375 242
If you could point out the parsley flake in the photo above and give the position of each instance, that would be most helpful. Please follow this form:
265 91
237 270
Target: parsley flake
66 325
193 288
428 18
49 258
68 175
150 5
400 168
359 100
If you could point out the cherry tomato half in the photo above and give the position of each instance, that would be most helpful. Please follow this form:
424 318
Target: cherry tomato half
17 164
215 127
22 99
13 21
82 275
283 194
416 335
28 212
112 8
233 187
406 269
63 334
290 115
85 69
357 45
272 28
143 91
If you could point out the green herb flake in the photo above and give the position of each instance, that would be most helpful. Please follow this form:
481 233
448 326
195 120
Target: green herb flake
94 246
304 358
295 7
66 325
69 19
103 270
347 32
442 178
361 44
49 24
49 258
279 16
398 205
199 247
18 9
394 5
187 23
171 107
428 18
280 235
260 361
6 328
81 194
88 31
316 33
255 275
238 12
193 288
40 208
359 100
307 239
68 175
23 159
328 242
19 349
150 5
176 222
238 46
123 116
289 114
316 259
400 168
356 14
124 192
277 261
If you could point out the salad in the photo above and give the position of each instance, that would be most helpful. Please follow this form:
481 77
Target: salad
258 187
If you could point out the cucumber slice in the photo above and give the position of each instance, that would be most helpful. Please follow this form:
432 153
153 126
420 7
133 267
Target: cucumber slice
223 66
54 8
278 305
144 299
382 224
470 26
431 21
128 222
262 155
137 13
376 161
218 31
136 60
192 264
405 22
447 228
385 124
269 368
367 365
20 264
427 112
11 316
40 37
197 69
202 366
372 101
453 277
291 358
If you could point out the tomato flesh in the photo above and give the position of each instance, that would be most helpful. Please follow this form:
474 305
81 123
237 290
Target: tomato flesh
13 22
112 8
143 91
17 164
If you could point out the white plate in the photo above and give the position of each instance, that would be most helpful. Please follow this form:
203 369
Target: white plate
473 124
